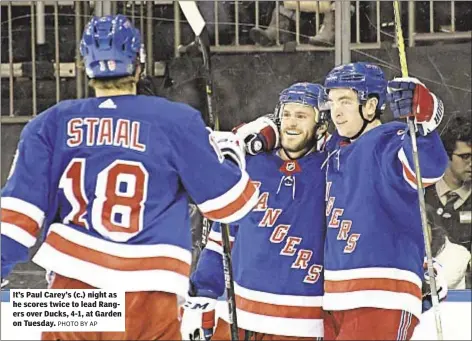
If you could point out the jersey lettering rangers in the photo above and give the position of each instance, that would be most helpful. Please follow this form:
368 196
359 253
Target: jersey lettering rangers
278 250
374 247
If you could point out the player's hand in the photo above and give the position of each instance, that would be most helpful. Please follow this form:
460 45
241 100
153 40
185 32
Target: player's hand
229 146
408 97
441 285
259 135
198 320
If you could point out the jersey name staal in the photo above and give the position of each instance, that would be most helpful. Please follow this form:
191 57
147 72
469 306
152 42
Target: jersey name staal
94 131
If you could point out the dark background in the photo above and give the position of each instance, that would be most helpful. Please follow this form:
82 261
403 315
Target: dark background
247 85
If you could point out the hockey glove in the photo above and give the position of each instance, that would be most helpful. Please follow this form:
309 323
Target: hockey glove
198 319
408 97
230 146
259 135
441 285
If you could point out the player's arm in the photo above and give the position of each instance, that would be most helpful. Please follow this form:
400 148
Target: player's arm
26 195
211 166
206 285
409 97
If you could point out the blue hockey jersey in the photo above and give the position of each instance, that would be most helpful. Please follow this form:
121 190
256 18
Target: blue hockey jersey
278 250
374 246
109 177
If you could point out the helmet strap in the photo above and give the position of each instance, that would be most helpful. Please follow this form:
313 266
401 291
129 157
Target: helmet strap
364 124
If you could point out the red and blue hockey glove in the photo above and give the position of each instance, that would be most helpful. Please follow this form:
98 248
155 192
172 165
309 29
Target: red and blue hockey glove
408 97
198 320
441 285
260 135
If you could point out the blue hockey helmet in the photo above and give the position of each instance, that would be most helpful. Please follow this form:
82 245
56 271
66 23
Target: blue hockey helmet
110 47
309 94
303 93
365 78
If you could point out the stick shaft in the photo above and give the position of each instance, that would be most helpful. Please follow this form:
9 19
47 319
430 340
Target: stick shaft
419 181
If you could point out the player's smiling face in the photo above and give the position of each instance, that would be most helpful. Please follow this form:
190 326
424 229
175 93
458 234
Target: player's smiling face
297 127
345 111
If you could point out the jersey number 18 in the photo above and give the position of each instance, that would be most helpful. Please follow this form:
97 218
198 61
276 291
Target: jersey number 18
118 207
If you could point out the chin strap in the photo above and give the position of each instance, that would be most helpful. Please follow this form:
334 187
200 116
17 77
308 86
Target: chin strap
364 125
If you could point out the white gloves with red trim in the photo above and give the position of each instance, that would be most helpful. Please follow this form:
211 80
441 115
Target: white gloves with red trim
259 135
230 146
198 320
408 97
441 285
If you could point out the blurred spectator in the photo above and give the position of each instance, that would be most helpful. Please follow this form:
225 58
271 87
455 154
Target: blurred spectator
454 258
287 16
450 196
325 35
225 19
226 13
442 14
267 37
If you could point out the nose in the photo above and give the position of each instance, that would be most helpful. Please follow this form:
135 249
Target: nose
337 112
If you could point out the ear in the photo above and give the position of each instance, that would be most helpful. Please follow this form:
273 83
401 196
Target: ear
369 108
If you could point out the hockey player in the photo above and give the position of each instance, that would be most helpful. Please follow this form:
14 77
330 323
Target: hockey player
374 244
116 170
278 248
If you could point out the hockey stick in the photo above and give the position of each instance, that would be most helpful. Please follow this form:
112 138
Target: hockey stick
419 181
197 23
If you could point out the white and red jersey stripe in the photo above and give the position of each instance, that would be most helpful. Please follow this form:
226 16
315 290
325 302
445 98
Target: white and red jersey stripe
215 242
105 264
409 174
234 204
386 288
21 220
275 314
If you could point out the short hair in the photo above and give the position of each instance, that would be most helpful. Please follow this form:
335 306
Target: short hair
120 83
457 129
